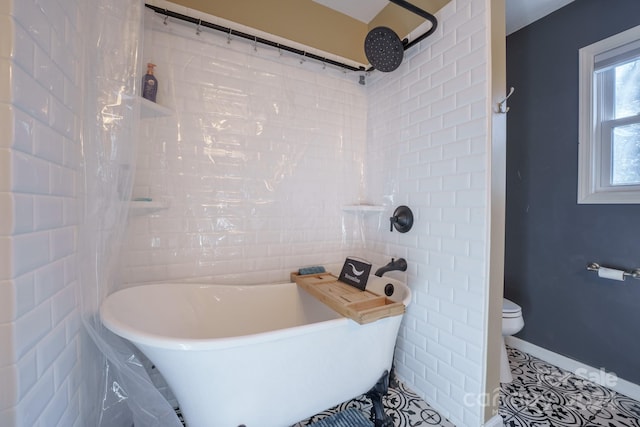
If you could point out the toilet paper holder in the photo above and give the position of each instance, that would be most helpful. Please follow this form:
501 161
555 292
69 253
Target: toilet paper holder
635 273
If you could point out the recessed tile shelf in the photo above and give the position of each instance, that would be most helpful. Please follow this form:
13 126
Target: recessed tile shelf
149 110
139 208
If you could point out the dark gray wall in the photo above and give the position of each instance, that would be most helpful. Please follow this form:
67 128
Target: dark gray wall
550 238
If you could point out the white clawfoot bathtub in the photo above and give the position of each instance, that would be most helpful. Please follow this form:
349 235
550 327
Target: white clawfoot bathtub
259 355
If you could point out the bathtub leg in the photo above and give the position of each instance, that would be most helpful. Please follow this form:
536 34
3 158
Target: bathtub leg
379 417
393 380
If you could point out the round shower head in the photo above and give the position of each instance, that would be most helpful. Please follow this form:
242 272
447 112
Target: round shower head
383 49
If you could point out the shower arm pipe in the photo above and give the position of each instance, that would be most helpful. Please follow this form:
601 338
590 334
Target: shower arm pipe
231 32
420 12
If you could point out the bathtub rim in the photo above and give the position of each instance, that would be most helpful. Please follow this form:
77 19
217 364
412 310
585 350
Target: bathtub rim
111 321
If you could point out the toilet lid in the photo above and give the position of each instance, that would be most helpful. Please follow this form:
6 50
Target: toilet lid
510 307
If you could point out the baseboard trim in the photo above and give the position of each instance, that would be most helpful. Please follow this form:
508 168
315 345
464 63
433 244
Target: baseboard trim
598 376
495 421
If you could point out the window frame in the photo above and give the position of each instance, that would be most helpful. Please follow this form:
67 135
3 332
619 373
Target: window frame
594 148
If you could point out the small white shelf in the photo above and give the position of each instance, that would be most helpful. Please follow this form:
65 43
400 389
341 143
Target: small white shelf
363 208
149 110
139 208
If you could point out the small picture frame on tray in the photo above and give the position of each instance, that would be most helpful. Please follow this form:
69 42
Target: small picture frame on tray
355 272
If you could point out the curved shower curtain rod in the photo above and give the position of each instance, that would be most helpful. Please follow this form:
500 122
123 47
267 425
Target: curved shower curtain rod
231 32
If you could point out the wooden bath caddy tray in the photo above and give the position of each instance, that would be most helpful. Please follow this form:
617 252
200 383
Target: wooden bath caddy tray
361 306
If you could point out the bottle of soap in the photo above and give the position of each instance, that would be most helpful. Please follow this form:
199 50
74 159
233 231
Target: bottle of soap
149 84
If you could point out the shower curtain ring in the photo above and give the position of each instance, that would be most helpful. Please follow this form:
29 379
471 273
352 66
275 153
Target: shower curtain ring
255 43
304 57
198 31
229 37
166 17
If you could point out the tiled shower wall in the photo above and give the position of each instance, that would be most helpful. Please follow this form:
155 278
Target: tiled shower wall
254 164
428 148
40 109
259 157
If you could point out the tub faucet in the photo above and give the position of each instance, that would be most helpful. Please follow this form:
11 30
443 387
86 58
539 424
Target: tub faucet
399 264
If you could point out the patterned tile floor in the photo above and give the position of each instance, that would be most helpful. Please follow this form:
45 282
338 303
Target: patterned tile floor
404 406
541 395
544 395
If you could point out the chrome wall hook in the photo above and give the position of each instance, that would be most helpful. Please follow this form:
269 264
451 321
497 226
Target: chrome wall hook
502 105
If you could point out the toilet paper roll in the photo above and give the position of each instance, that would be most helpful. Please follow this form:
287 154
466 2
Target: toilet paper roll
611 273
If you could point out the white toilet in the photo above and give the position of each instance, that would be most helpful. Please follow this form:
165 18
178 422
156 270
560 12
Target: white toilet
512 323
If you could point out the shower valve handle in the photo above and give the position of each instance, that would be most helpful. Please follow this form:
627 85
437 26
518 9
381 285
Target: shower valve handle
402 219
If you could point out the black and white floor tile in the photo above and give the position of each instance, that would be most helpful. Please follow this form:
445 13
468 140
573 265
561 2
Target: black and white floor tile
541 395
544 395
404 406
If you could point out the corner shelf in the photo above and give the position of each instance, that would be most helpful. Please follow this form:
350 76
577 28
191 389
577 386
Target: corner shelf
149 110
139 208
363 208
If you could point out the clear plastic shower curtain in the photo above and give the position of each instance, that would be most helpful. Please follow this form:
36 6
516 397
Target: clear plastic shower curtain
117 387
326 156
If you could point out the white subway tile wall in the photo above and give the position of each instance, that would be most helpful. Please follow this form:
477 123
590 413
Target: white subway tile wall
39 320
427 148
255 164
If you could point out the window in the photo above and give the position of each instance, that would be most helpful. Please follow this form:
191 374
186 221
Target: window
609 150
